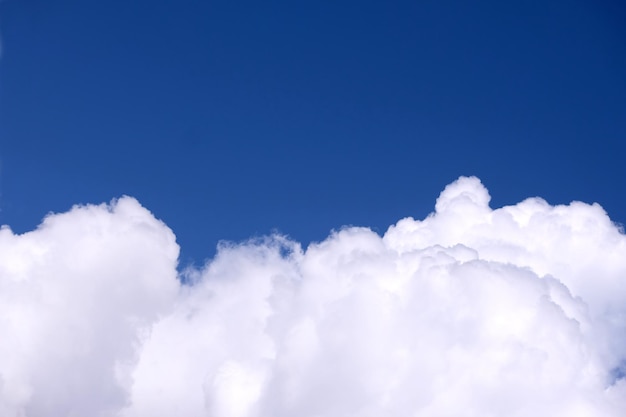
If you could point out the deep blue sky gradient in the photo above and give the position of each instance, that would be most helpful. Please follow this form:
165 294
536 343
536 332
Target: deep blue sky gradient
230 119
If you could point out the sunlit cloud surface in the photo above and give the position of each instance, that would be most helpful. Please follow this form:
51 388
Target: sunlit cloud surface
472 311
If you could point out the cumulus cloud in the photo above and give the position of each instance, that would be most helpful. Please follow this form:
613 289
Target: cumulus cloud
75 296
517 311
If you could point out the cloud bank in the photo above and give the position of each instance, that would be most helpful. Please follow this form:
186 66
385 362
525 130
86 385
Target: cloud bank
473 311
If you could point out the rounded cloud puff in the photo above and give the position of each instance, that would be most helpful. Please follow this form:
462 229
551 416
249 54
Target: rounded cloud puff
472 311
75 295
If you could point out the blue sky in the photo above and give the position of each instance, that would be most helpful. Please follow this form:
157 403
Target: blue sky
234 119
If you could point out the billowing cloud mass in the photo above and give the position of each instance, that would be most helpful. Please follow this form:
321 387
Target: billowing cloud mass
517 311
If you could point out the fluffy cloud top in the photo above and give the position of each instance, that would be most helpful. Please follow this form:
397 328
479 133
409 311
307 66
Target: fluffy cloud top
518 311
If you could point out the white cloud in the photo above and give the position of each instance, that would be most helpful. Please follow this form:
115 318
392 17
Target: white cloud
75 295
518 311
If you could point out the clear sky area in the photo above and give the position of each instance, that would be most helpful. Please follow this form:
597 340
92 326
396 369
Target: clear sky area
232 119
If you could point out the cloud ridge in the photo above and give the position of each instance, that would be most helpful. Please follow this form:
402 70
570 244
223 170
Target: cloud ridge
518 311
